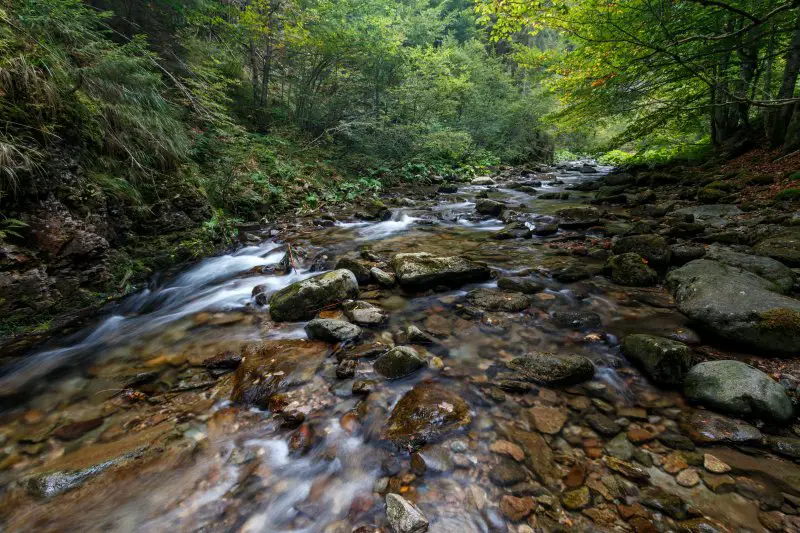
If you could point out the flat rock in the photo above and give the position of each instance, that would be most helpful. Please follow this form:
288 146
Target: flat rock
766 267
548 420
398 362
553 369
496 300
364 313
704 427
420 270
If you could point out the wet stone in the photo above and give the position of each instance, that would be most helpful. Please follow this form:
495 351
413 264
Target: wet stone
603 424
330 330
721 484
688 478
577 499
620 447
515 509
364 313
424 413
553 369
504 447
403 516
76 430
398 362
665 503
346 369
629 470
519 284
704 427
548 420
714 464
577 319
507 472
495 300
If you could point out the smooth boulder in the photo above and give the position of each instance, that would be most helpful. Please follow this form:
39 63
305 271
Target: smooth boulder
403 516
766 267
739 389
420 270
737 305
330 330
302 300
663 360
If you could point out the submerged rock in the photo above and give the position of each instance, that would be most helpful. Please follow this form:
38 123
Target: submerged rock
577 319
420 270
398 362
553 369
665 361
630 269
519 284
269 366
54 483
302 300
705 427
494 300
330 330
424 413
403 516
739 389
737 305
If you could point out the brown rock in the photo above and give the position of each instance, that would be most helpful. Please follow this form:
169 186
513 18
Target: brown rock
688 478
517 508
674 463
642 525
629 470
548 420
504 447
539 456
721 484
639 435
715 465
576 476
629 511
76 430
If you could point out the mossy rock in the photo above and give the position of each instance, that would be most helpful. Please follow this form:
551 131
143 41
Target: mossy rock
708 195
665 361
425 413
631 270
302 300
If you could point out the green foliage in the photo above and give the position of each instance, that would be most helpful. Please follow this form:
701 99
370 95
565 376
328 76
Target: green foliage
614 158
788 195
9 227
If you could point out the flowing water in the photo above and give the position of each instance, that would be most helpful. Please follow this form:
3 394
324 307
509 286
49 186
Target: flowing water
123 428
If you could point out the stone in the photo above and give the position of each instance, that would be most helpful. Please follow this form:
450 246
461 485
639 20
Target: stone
674 463
631 270
651 247
577 499
346 369
577 319
680 254
737 305
364 313
403 516
785 446
664 361
578 217
331 330
359 267
603 424
620 447
504 447
425 413
629 470
688 478
576 476
421 270
482 180
484 206
417 336
384 279
665 503
737 388
640 436
519 284
538 455
398 362
720 484
553 369
515 509
495 300
507 472
270 366
765 267
548 420
303 299
704 427
784 247
715 465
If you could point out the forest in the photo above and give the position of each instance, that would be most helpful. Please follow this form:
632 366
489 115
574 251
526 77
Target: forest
373 266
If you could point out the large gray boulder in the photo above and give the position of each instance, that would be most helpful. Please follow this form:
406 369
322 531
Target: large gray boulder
738 389
419 270
784 247
302 300
737 305
766 267
665 361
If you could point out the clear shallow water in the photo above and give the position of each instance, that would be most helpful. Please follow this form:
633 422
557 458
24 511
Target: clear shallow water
183 457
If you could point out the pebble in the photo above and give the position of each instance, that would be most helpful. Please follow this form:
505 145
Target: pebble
548 420
504 447
715 465
688 477
517 508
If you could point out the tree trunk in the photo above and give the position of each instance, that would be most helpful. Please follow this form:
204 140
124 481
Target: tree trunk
783 115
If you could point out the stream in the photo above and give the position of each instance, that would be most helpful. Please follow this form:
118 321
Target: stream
127 426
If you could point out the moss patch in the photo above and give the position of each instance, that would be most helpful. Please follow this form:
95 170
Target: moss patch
782 319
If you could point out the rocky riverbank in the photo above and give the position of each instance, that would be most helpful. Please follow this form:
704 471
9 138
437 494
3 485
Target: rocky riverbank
538 350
